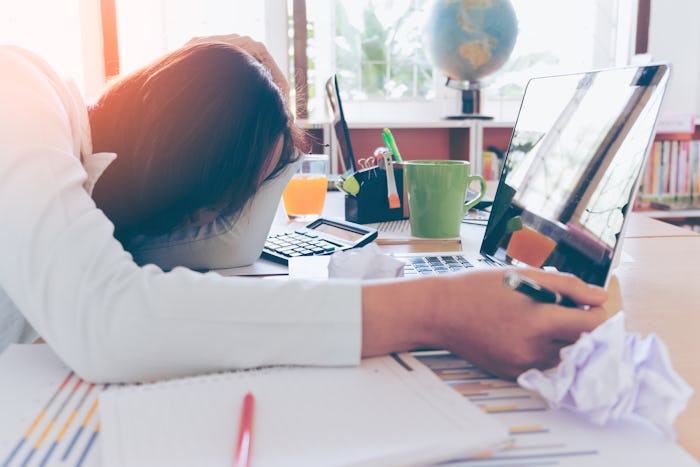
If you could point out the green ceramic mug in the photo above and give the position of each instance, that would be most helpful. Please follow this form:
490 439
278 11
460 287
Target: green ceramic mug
436 192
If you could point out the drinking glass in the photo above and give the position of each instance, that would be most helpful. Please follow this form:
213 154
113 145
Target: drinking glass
305 194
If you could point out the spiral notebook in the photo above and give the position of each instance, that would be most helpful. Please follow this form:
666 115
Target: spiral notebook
386 411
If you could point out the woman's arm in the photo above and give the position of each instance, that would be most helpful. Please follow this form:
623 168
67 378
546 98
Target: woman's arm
106 317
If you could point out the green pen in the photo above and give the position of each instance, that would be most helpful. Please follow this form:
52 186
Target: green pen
391 143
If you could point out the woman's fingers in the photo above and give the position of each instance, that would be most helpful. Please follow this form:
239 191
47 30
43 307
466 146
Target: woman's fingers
569 285
567 324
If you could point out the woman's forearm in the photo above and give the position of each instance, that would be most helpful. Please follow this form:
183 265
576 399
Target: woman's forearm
398 315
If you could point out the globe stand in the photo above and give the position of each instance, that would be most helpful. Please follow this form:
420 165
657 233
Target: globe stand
471 100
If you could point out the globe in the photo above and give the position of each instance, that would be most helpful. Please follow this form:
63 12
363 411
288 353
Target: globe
469 39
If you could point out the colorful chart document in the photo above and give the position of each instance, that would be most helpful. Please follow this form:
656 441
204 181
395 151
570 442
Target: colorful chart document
542 437
49 414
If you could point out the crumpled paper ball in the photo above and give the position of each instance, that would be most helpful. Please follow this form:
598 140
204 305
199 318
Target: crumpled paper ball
609 373
367 262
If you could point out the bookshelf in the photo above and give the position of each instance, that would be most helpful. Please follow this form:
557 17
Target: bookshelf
441 139
670 185
434 139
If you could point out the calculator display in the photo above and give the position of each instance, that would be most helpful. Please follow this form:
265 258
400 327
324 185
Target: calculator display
338 232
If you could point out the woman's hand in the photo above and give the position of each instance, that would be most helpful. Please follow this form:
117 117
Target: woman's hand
475 316
506 332
254 48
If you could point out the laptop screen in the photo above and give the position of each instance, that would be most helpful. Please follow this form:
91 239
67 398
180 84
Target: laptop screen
572 169
340 126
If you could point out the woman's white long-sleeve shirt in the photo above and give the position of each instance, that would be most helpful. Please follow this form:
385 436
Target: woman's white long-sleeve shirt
106 317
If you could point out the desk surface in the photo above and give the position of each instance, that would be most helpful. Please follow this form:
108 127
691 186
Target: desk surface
660 293
642 226
657 286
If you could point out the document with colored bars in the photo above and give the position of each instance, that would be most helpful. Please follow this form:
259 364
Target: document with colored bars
542 437
49 419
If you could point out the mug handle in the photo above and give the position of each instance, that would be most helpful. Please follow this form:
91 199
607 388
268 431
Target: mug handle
472 202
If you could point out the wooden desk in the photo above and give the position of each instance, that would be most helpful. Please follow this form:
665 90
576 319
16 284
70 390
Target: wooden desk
643 226
660 292
659 289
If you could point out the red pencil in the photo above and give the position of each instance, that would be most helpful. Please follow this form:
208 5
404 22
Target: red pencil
245 432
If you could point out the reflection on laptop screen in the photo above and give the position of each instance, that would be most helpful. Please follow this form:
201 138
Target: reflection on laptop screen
572 169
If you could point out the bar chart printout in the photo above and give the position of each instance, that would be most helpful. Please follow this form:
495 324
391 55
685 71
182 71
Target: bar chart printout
53 421
540 436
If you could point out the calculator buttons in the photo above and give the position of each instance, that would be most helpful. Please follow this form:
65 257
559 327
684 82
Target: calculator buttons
298 243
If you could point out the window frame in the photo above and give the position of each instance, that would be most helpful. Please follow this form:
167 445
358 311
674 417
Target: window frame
98 24
630 39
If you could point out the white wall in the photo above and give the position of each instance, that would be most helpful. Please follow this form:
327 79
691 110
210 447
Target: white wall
674 36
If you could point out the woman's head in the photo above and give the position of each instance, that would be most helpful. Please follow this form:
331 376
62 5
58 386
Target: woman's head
198 130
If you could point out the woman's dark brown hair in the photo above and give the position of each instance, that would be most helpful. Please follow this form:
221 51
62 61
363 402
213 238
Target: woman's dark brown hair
193 130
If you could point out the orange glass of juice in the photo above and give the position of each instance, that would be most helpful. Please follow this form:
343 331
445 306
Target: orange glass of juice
305 194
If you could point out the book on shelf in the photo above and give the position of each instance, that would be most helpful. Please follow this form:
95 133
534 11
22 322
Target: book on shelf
671 179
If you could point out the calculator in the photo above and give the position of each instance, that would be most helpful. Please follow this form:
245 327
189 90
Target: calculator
321 237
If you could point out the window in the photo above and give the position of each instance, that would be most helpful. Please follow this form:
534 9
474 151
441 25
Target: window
376 48
374 45
583 35
64 33
147 30
377 51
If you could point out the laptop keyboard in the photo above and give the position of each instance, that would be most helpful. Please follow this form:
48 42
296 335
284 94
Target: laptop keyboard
433 265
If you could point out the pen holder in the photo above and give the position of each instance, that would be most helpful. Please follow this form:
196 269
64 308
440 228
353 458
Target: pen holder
371 201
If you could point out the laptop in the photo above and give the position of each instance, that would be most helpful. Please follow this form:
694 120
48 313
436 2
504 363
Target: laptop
569 179
340 125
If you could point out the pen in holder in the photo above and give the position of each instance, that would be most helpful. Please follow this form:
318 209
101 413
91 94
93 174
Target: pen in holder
387 164
368 193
